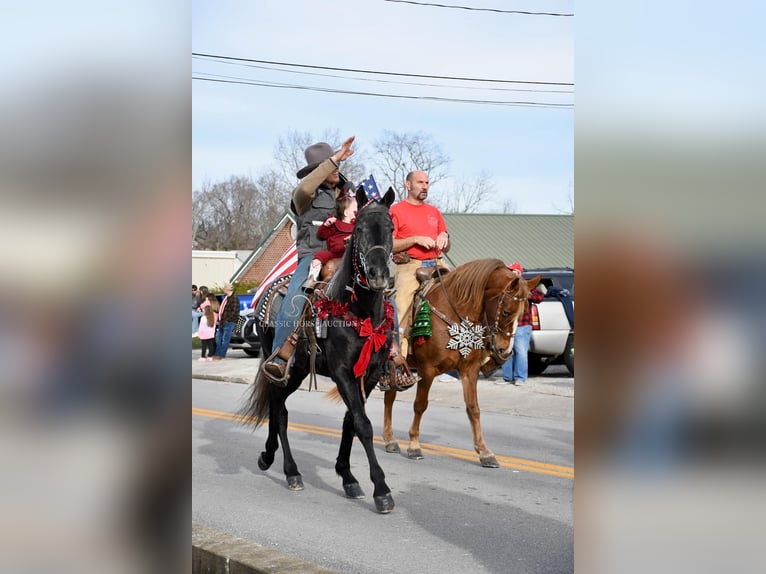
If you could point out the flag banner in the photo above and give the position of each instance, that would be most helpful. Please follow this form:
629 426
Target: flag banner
370 188
287 264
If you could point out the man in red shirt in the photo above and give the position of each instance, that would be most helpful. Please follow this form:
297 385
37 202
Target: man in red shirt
420 231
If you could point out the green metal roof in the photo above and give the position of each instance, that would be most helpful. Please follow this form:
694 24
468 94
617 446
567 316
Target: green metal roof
532 240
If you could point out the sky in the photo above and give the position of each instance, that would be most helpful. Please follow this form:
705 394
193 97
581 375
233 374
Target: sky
526 151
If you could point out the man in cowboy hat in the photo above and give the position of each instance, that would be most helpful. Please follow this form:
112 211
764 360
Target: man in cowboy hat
313 201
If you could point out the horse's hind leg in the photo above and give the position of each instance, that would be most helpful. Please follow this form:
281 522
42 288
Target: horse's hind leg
343 462
419 406
294 478
275 402
266 458
388 411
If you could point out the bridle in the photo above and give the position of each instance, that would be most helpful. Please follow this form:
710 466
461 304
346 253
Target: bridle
360 275
494 329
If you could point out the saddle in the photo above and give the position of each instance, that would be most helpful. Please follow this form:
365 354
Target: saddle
423 274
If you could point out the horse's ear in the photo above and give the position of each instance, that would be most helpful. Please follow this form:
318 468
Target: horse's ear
361 197
388 199
532 283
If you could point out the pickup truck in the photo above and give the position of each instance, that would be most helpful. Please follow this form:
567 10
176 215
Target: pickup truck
552 338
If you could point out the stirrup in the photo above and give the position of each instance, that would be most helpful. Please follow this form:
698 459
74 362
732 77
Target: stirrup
398 378
273 379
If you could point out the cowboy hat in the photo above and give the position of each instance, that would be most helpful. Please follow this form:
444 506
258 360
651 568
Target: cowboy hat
315 154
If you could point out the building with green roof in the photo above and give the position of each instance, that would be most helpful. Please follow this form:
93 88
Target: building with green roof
532 240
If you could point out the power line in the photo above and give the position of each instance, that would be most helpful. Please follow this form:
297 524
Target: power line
397 96
492 80
480 9
383 81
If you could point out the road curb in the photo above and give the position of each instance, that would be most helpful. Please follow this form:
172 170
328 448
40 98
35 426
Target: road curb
222 378
214 551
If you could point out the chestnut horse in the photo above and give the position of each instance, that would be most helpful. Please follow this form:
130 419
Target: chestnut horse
474 312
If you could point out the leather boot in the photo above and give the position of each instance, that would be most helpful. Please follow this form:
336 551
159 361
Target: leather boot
277 369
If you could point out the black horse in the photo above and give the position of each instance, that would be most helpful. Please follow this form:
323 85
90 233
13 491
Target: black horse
359 324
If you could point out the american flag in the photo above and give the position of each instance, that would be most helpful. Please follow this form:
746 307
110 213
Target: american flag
370 188
286 265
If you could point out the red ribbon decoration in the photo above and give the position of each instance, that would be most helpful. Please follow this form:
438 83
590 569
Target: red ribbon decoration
375 340
376 337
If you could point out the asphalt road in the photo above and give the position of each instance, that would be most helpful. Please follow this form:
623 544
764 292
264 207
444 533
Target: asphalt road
452 515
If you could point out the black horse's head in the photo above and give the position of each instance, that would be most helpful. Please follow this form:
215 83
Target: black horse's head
373 241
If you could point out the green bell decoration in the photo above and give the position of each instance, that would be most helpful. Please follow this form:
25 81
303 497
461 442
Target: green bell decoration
421 326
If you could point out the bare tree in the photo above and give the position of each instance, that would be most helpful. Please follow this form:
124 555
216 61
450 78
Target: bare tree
570 208
236 213
508 206
466 194
398 154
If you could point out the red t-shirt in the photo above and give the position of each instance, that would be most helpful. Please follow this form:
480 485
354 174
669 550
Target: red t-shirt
423 219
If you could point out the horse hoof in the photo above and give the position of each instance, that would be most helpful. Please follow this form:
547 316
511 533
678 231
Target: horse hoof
489 461
384 504
392 447
415 454
353 490
262 464
295 482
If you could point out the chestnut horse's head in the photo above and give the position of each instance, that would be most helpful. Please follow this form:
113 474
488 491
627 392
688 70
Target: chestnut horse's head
505 301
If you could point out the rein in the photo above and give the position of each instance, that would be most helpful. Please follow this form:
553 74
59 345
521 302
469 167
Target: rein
492 330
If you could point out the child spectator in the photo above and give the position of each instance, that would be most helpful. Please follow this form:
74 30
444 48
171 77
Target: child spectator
336 230
207 325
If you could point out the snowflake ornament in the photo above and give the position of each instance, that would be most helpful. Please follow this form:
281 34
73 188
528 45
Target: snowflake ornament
466 337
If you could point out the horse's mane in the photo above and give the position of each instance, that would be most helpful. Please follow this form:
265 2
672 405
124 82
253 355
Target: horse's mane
466 284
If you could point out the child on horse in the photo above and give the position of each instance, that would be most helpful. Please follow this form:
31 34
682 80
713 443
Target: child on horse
336 231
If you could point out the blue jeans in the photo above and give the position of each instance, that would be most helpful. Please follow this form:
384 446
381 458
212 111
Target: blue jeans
223 338
195 320
292 305
517 365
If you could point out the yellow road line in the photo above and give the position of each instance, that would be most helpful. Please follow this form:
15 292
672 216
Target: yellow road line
439 450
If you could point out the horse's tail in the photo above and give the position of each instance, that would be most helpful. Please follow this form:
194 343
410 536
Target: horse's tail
333 395
255 409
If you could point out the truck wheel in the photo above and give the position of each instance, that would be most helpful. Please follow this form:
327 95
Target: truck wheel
535 365
569 354
251 352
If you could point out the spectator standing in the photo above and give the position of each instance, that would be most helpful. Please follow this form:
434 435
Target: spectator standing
515 369
207 325
196 313
420 232
228 316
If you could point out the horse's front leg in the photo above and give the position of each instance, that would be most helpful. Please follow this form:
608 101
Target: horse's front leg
343 462
389 439
469 379
357 422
